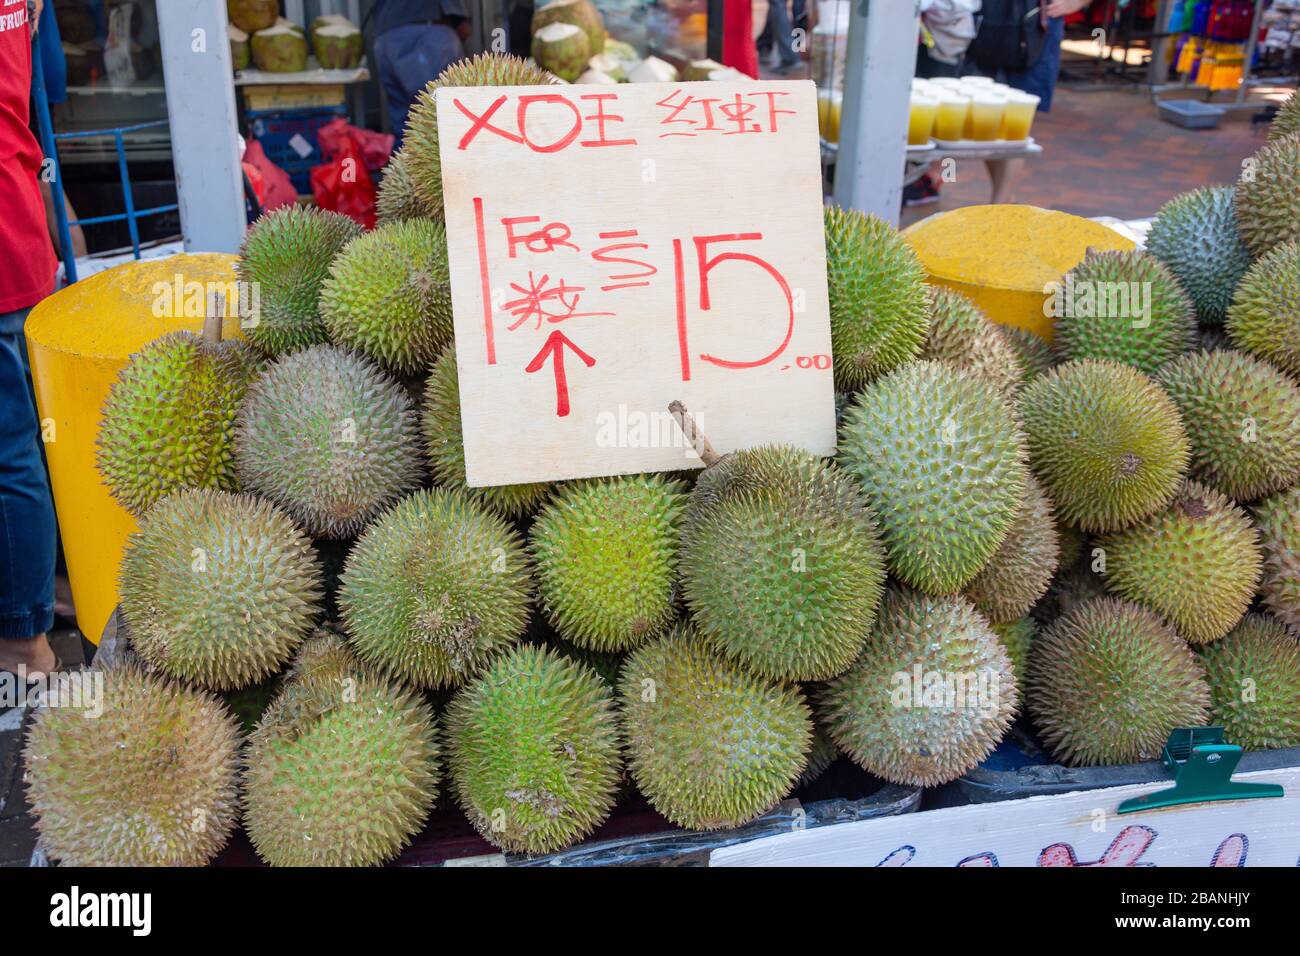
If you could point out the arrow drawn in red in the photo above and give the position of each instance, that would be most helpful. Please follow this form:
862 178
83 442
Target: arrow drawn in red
555 343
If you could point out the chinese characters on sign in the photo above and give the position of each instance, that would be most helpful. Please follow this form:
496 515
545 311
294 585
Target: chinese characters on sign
613 249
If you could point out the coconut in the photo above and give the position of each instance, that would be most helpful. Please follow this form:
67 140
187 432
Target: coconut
561 48
240 54
610 66
253 15
653 70
336 42
280 49
596 76
700 69
581 13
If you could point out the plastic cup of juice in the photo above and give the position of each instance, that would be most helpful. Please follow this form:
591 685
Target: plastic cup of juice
950 118
1018 117
974 79
986 117
828 116
949 81
920 120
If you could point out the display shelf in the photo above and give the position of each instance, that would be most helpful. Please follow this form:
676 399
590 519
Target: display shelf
313 76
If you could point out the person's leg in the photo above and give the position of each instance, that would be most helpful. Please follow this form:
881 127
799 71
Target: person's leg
1040 79
408 58
27 530
778 21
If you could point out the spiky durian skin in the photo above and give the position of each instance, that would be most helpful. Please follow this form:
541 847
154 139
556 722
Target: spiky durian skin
534 749
144 773
420 141
330 438
1242 418
1196 564
388 295
606 557
1143 334
783 571
1017 638
441 427
872 711
169 420
942 461
1034 357
1108 681
1195 235
963 337
1268 195
435 588
1287 120
342 770
396 200
709 744
1021 570
1072 586
878 297
1254 678
1106 442
1264 318
287 253
218 588
1278 520
822 752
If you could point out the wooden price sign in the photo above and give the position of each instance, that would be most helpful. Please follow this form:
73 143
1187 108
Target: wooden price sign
617 248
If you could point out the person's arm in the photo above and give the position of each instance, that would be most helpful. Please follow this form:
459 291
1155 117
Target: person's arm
34 8
1061 8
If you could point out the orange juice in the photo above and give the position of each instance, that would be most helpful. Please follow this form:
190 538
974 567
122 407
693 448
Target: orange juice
828 116
1018 117
920 120
986 117
950 119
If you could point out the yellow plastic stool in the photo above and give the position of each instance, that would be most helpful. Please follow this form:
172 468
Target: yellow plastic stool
79 339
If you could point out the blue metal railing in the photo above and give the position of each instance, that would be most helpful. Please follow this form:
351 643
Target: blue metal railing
49 147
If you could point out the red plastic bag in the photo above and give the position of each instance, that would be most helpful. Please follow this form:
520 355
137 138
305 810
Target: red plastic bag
276 188
343 185
375 147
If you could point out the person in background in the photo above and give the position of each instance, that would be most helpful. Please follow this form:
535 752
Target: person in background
991 52
1040 78
27 530
779 33
415 40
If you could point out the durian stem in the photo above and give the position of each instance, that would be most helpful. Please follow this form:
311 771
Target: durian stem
213 316
699 441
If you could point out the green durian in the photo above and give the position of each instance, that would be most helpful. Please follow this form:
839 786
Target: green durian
286 256
942 461
1278 520
822 752
964 338
1287 120
932 694
330 438
132 770
169 421
534 749
1268 195
1242 418
1021 569
1103 321
1254 678
1034 357
396 199
1264 318
1106 442
435 588
1017 639
1108 681
878 297
218 589
1195 235
710 744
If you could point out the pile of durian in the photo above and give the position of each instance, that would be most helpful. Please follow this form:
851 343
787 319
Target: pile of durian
1102 535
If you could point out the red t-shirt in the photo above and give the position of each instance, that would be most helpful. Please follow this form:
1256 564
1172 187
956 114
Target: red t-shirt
27 262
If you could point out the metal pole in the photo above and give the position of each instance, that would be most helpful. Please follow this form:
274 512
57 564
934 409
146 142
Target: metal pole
205 136
879 63
713 26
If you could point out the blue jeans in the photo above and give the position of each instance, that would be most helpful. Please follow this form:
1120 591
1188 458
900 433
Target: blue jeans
27 529
1040 79
406 59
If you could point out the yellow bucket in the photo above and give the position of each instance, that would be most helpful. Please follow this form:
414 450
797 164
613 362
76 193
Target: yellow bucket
79 339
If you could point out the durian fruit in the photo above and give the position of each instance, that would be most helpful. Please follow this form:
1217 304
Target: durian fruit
878 297
534 751
606 555
1034 357
1124 306
1195 235
389 295
1254 678
1021 569
1287 120
1106 442
218 589
709 744
435 588
1074 585
343 767
1242 418
286 256
330 438
1264 318
963 337
441 427
781 563
420 141
169 420
1017 639
1268 195
562 49
942 461
397 200
1108 681
607 665
1278 520
138 771
579 13
822 752
1196 564
931 696
1072 543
